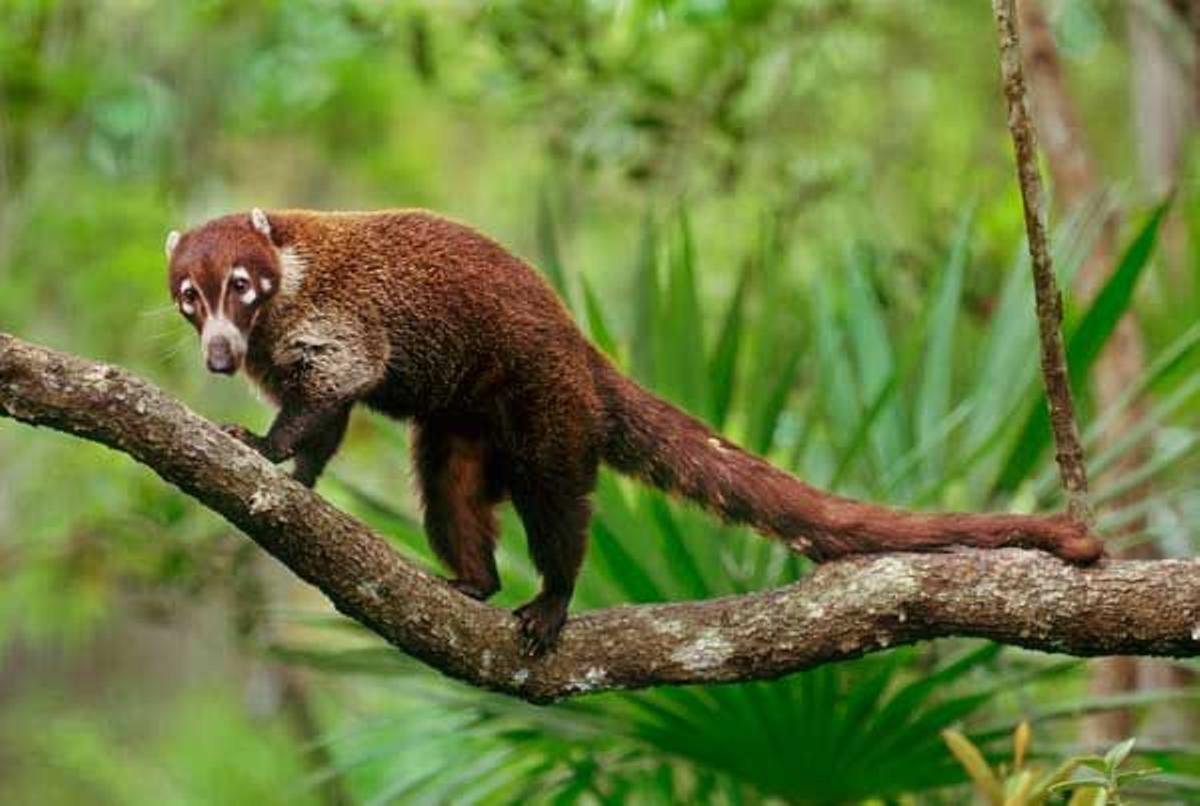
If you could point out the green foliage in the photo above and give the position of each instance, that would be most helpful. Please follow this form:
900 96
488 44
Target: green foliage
1107 787
1029 785
1084 343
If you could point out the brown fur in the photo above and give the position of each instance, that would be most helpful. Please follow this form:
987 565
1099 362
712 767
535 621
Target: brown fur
420 317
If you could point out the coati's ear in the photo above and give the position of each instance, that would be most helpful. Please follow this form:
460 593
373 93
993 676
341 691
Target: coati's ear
258 219
172 242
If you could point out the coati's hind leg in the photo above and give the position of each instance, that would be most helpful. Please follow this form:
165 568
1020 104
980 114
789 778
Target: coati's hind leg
460 501
556 515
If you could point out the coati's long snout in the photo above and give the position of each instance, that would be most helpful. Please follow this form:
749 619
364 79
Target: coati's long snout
223 345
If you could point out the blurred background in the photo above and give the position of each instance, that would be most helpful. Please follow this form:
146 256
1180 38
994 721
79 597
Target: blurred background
796 218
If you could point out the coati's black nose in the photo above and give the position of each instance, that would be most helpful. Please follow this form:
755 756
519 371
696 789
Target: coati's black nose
219 357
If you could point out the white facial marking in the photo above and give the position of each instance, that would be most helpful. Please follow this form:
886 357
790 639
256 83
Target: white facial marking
266 285
292 267
217 327
172 241
249 295
259 220
185 306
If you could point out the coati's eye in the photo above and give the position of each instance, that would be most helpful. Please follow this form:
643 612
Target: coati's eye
240 285
189 295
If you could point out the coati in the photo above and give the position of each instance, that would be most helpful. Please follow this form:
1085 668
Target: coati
423 318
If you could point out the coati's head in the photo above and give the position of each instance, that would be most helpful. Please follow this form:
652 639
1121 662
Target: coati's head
222 276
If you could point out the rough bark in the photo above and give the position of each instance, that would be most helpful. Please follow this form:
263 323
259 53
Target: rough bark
842 610
1068 450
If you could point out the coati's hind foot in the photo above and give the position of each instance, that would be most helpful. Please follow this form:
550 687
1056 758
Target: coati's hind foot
476 589
541 620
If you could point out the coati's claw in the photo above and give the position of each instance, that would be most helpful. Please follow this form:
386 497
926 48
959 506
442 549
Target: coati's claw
541 620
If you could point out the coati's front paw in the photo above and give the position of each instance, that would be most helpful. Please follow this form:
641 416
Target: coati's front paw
541 620
247 437
1071 541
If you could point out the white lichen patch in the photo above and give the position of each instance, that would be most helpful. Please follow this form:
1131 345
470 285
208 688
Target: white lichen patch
485 661
262 501
670 627
593 679
520 676
99 375
890 577
708 651
1196 632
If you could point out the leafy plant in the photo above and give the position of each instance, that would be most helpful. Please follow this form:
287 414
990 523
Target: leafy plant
1025 784
1106 788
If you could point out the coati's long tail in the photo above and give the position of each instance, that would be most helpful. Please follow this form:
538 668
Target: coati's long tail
652 440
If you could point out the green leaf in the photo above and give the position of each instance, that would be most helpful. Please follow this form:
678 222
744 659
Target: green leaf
875 356
681 342
837 386
933 392
762 429
859 440
616 563
1116 756
1083 348
597 327
547 238
647 305
676 552
723 363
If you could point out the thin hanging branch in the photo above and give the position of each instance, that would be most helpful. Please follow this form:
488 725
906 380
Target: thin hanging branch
1068 450
842 610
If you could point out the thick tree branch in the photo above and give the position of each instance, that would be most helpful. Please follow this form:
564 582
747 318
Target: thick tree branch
842 610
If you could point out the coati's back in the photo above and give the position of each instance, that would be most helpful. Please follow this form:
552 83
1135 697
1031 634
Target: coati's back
461 316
